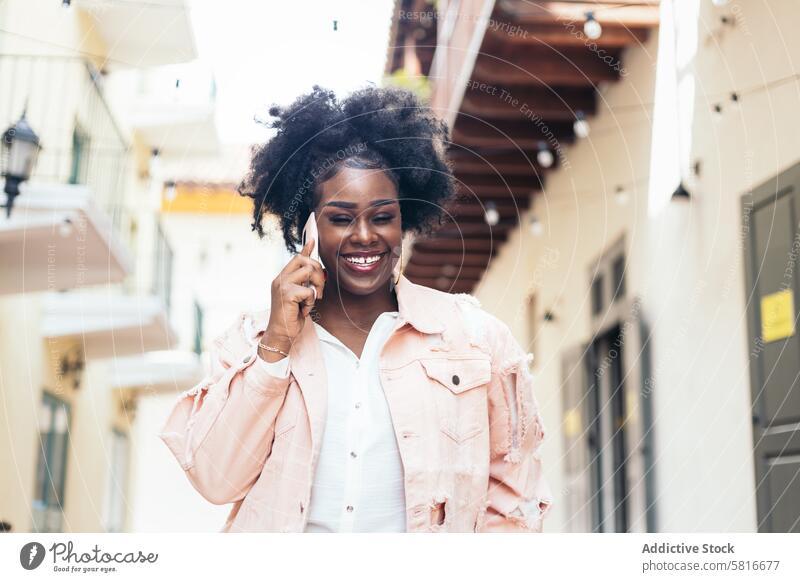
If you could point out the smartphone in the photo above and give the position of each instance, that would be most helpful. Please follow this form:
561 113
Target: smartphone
310 231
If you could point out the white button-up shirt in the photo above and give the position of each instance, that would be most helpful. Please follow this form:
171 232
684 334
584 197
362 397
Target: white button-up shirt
358 483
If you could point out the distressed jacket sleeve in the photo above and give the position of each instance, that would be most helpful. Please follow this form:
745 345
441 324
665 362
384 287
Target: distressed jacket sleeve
221 430
518 496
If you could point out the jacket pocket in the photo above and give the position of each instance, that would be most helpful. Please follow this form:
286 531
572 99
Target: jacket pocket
458 374
461 404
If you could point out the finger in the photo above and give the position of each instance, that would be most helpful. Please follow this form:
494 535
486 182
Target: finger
300 276
306 250
304 297
298 261
317 280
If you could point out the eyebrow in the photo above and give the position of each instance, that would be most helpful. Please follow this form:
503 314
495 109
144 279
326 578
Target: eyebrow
340 204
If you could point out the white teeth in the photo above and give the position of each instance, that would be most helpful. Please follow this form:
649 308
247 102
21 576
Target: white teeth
363 260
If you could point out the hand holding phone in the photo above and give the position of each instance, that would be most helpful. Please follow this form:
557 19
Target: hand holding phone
310 231
294 291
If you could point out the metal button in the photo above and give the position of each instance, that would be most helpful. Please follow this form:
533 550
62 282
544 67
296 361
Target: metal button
353 454
358 405
247 359
349 508
456 380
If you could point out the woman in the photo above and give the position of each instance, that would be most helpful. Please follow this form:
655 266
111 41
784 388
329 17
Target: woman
361 401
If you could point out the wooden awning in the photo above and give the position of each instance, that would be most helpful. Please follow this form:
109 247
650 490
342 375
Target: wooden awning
535 72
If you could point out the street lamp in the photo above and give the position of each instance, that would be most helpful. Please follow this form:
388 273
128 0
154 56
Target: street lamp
20 148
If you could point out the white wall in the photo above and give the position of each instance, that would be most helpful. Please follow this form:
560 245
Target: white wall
684 260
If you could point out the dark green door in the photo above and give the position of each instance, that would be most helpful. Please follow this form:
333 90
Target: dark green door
770 217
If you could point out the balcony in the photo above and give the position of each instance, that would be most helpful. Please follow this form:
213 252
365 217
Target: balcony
142 34
64 230
109 323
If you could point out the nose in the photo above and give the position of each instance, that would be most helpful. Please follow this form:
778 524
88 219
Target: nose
363 233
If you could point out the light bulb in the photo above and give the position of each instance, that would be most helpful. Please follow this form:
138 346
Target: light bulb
65 228
592 28
544 156
172 191
581 126
536 226
621 195
491 214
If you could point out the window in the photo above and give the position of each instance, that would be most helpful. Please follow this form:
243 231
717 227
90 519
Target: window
48 503
162 276
198 328
618 274
80 156
597 295
117 500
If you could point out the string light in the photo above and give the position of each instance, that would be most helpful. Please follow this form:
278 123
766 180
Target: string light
581 126
592 28
621 195
65 228
544 156
491 214
536 226
171 192
734 100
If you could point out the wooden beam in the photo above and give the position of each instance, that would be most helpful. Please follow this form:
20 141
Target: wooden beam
446 285
624 14
467 245
558 104
542 65
497 196
476 210
559 35
475 229
481 181
512 162
474 259
524 134
446 270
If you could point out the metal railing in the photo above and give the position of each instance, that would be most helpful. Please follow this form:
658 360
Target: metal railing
64 103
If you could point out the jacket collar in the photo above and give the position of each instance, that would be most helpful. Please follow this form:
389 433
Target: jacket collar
421 306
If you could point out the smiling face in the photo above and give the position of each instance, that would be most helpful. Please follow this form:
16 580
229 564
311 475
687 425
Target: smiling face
358 217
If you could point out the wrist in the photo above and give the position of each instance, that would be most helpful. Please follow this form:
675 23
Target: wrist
276 341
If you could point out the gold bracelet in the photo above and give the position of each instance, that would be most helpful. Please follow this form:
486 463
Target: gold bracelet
271 349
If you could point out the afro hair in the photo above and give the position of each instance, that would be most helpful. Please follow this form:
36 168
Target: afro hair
373 128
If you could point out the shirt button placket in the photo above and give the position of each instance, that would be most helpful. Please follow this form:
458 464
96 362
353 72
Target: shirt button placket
353 471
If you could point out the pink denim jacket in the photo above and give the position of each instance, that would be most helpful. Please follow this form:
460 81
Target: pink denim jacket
461 398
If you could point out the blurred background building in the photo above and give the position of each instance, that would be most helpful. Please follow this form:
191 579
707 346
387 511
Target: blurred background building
630 180
629 206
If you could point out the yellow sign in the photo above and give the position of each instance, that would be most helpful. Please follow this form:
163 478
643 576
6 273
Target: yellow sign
572 422
777 316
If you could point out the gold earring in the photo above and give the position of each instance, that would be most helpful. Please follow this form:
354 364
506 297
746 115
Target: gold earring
399 266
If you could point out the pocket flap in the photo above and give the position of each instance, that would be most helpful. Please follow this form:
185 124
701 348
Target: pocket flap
459 374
